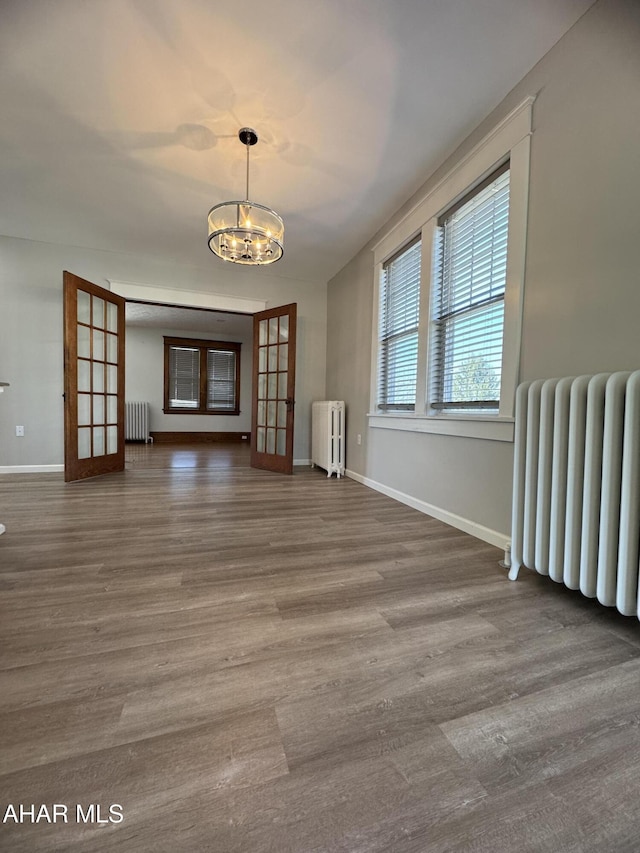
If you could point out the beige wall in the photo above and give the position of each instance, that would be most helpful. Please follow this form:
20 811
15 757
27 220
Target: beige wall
31 356
582 281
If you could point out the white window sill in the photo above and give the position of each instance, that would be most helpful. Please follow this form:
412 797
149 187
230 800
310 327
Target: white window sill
490 428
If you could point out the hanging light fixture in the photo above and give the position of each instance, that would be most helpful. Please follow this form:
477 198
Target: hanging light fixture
244 232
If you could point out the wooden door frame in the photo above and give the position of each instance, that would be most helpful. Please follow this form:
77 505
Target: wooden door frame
75 469
269 461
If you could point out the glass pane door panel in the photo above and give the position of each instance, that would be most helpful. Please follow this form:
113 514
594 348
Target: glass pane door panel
262 412
98 441
84 375
98 312
98 378
283 352
273 330
84 307
112 439
260 441
84 409
98 409
84 442
98 345
271 414
262 386
112 317
282 386
272 386
262 359
112 409
263 332
271 441
282 413
112 379
284 328
281 448
84 342
273 358
112 348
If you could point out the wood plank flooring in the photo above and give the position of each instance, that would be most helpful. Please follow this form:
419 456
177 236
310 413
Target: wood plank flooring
250 662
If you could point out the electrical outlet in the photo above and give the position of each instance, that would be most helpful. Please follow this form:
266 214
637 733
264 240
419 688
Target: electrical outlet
20 431
358 439
244 437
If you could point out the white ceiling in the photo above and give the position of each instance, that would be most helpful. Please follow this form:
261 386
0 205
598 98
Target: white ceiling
120 117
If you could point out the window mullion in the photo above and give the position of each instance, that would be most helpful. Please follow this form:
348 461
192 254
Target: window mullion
204 380
424 312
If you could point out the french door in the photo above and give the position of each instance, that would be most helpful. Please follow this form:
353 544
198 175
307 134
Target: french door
274 376
93 379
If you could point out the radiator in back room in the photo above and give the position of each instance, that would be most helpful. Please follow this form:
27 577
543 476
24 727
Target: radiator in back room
576 485
327 436
136 422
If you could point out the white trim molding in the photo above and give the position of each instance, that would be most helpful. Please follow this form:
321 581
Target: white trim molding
186 298
31 469
493 429
486 534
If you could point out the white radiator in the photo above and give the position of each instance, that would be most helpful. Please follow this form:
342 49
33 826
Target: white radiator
136 422
327 436
576 485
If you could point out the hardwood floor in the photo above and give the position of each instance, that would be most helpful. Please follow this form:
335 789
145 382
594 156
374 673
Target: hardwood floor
250 662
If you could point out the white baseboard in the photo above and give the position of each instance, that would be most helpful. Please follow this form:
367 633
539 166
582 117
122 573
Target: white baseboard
30 469
493 537
302 462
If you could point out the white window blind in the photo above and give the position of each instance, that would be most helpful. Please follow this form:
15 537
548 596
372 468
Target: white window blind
221 379
184 378
398 330
468 302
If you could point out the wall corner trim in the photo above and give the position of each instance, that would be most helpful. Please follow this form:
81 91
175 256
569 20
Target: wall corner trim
486 534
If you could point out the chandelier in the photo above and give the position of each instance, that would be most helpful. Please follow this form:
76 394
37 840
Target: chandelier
244 232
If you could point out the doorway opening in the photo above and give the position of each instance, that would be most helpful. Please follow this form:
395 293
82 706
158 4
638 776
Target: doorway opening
184 440
95 425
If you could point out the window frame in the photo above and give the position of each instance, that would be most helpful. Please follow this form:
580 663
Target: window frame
385 338
439 317
509 140
203 346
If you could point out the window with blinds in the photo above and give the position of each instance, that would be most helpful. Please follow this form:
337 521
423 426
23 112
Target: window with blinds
221 379
184 378
467 315
201 377
398 330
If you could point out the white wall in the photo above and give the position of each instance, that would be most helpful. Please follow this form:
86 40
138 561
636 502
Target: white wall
582 280
144 380
31 345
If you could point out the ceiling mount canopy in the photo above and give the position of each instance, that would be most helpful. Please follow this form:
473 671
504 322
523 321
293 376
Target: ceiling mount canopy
244 232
